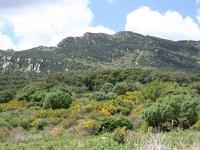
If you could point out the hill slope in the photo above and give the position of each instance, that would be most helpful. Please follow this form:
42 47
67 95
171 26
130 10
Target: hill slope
99 50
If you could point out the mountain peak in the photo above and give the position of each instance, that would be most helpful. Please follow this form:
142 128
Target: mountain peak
127 34
90 35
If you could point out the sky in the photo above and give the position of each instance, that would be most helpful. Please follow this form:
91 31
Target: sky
30 23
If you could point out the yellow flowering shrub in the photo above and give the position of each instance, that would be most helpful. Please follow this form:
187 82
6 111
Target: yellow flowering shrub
88 127
75 116
76 107
43 113
50 113
119 135
107 110
13 105
134 96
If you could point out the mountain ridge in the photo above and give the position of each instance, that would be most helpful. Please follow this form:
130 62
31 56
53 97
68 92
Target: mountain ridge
124 49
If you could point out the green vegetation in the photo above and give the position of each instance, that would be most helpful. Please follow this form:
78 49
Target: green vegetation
110 108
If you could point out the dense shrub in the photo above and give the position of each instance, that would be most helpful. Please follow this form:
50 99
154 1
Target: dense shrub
111 95
56 100
123 87
99 96
108 109
172 109
123 106
60 87
27 92
107 87
6 96
119 135
40 124
152 91
110 124
13 105
38 96
88 127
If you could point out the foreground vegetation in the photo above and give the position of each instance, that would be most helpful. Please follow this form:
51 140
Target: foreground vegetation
48 140
119 109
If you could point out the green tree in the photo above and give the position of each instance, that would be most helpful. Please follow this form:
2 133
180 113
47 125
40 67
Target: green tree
56 100
177 109
152 91
6 95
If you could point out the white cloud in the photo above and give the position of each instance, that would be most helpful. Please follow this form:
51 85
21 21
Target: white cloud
197 1
170 25
5 42
49 23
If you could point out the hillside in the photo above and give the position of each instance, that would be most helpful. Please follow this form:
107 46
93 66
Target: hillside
98 50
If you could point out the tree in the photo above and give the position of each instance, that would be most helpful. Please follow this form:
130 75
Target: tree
6 95
152 91
56 100
177 109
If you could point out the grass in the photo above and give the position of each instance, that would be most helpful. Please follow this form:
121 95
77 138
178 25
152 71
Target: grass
183 140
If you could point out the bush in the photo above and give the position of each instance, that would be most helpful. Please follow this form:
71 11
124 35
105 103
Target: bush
88 127
38 96
110 124
6 96
60 87
13 105
27 92
40 124
56 100
120 134
172 109
123 87
25 124
111 95
152 91
107 87
99 96
108 109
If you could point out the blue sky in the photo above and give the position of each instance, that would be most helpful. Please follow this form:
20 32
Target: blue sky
113 15
29 23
